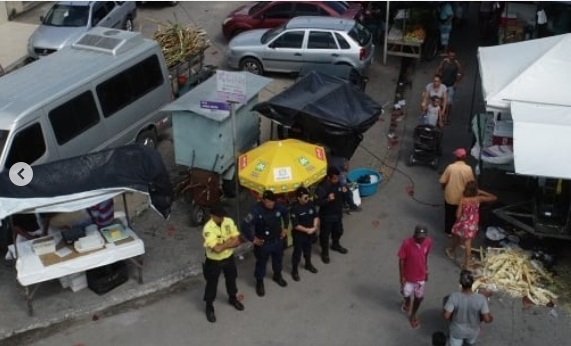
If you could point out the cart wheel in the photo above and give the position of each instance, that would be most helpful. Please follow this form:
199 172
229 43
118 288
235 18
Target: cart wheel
198 215
148 138
434 163
411 160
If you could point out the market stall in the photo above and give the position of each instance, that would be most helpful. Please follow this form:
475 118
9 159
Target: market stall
405 38
76 184
206 136
525 86
326 110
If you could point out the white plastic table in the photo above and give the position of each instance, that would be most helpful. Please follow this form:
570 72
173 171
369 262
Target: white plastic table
32 271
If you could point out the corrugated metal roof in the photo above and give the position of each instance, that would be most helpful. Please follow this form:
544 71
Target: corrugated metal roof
60 73
206 91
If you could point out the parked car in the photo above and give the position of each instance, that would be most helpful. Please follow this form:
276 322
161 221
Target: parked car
302 40
271 14
66 21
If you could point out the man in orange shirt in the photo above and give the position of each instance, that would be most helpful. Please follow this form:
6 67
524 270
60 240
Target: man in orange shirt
454 180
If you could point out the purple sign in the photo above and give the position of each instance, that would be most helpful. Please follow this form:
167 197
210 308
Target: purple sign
219 106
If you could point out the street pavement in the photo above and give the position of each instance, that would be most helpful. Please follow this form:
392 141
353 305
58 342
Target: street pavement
353 300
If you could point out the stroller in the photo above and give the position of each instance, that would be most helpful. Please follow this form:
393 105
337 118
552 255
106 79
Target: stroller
427 146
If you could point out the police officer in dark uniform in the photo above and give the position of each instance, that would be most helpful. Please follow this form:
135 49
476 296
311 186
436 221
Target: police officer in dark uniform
330 195
305 223
269 220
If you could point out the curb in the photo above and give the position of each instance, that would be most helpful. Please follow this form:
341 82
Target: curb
107 306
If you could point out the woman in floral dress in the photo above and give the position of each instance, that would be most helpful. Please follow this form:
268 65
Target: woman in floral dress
468 220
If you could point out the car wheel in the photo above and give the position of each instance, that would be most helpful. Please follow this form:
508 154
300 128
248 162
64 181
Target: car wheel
128 26
147 138
251 65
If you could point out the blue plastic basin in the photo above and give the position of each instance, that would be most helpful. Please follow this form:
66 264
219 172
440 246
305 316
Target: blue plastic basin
367 189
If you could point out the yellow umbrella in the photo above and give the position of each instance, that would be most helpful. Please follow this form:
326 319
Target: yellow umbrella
282 166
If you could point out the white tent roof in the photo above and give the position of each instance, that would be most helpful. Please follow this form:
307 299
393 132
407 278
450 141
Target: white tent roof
533 80
531 71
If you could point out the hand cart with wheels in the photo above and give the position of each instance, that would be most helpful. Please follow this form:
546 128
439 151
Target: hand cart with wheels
203 136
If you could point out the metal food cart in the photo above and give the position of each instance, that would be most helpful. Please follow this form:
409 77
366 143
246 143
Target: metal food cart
203 135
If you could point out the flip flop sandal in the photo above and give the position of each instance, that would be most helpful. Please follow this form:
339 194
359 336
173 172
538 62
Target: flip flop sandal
414 324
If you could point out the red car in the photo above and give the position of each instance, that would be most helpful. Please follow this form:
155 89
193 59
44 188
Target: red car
271 14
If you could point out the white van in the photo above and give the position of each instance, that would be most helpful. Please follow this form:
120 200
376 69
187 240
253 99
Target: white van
104 91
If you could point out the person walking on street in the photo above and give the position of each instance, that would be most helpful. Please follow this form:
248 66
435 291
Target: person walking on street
454 180
330 195
468 221
451 71
413 270
220 238
305 223
466 310
266 227
436 88
445 18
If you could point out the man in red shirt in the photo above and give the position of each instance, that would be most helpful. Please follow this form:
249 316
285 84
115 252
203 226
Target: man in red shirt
413 269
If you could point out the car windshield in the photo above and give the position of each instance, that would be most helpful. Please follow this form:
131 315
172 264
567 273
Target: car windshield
270 34
3 138
361 35
67 15
336 6
257 7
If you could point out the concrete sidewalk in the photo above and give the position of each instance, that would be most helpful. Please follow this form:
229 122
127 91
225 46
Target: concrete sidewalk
14 41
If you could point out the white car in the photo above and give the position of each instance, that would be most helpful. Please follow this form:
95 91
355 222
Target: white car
302 40
66 21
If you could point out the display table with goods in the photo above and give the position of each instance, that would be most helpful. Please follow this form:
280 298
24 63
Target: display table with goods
77 184
406 44
58 257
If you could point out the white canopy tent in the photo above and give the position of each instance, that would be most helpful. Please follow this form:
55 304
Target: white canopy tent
532 81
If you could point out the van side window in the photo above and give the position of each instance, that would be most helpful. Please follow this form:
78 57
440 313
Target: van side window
27 146
129 86
74 117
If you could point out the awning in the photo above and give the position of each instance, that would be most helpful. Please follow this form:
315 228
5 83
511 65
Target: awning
542 139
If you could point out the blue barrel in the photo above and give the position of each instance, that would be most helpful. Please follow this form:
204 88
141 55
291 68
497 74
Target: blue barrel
366 189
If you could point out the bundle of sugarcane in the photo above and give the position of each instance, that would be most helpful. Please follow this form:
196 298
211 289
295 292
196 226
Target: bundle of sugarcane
513 272
180 42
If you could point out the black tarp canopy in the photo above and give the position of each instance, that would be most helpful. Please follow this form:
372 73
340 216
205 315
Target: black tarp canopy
80 182
328 109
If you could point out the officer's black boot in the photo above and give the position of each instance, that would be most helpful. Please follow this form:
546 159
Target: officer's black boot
210 316
236 303
280 280
337 247
325 255
295 274
309 267
260 291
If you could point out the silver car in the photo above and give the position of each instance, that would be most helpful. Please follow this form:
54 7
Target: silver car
66 21
302 40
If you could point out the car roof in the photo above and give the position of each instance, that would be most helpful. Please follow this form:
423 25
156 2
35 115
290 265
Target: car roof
75 3
318 22
33 86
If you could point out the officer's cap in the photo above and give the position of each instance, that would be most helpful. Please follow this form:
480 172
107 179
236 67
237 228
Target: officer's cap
218 210
269 195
